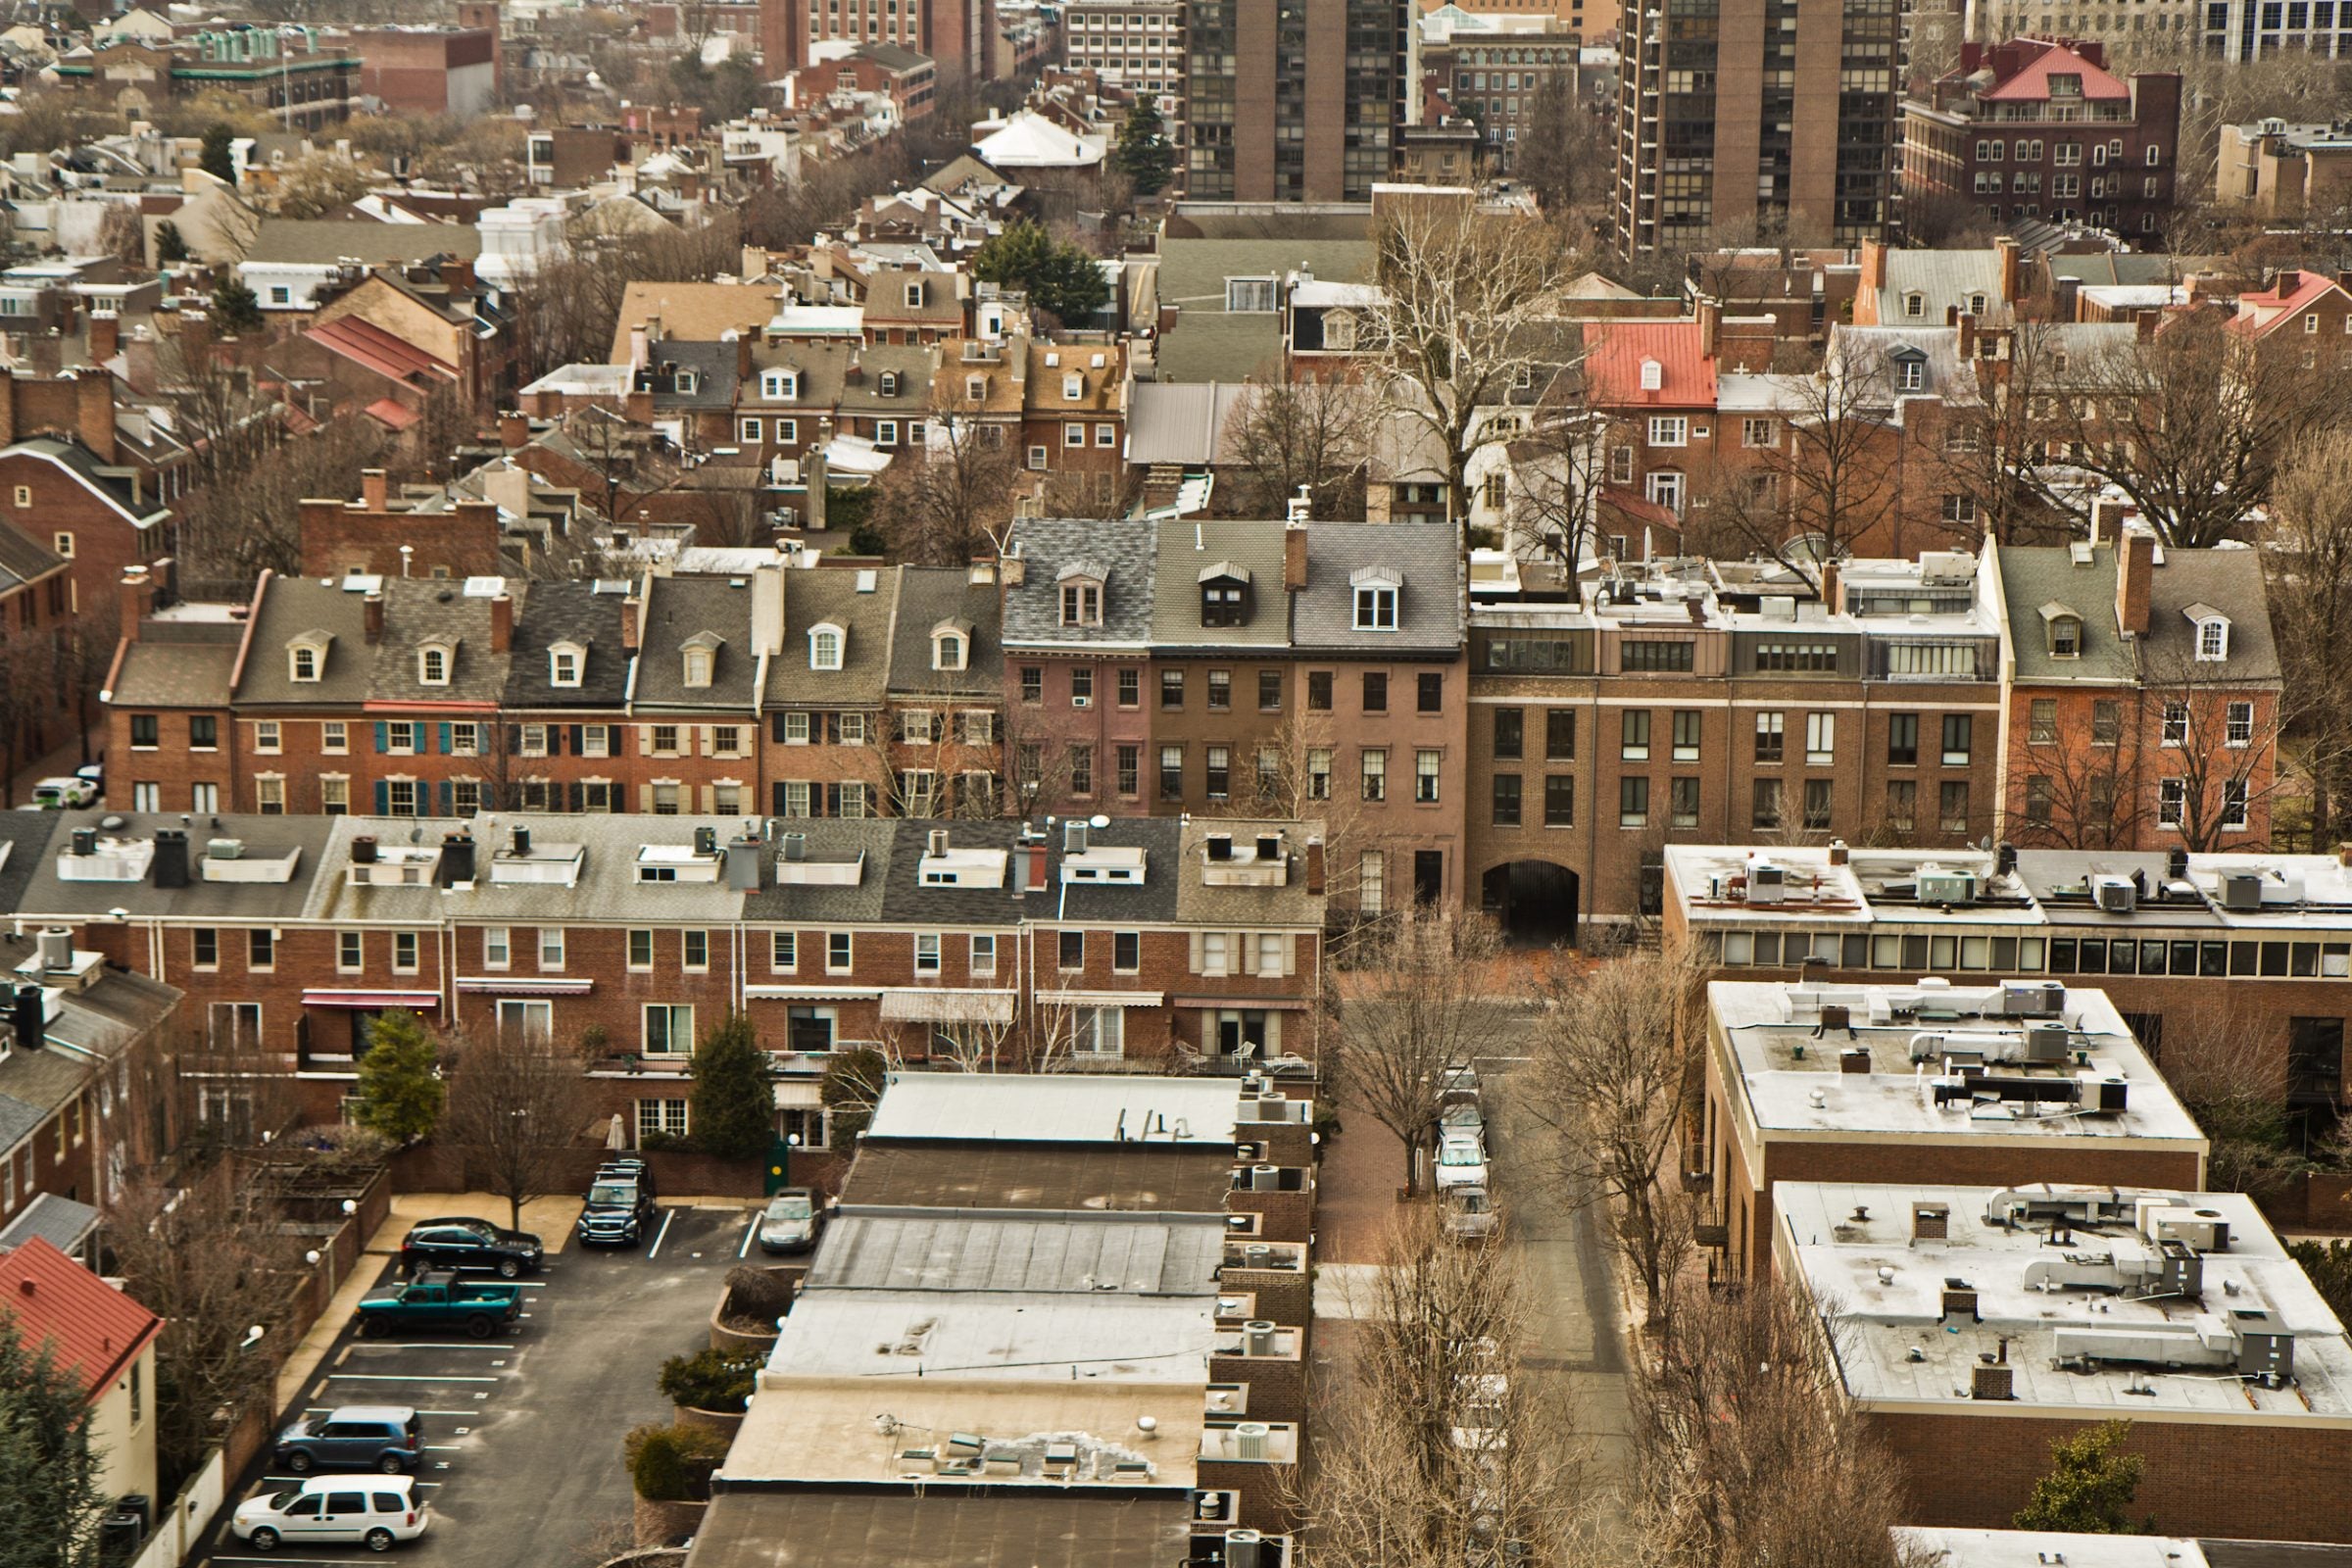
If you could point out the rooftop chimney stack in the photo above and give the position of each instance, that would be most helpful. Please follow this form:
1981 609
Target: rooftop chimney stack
502 623
2134 581
375 489
373 605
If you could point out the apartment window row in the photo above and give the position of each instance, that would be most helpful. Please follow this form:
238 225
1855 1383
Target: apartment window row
1928 953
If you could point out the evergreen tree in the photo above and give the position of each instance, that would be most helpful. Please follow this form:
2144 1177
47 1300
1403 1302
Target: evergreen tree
215 158
1143 155
734 1103
234 308
1063 279
400 1093
171 245
2091 1486
48 1473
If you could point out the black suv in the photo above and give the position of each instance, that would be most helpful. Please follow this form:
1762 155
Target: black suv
617 1214
470 1244
628 1168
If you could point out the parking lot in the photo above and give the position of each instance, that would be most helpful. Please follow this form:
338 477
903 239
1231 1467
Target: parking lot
523 1431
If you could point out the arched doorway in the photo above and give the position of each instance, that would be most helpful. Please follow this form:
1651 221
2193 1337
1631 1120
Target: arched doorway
1534 900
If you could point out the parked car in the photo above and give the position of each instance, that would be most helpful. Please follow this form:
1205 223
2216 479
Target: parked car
629 1168
463 1243
1461 1117
791 1221
1461 1161
1470 1213
375 1512
64 794
94 774
356 1437
439 1300
616 1214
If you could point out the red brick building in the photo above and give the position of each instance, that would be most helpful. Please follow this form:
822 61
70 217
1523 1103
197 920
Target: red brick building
429 71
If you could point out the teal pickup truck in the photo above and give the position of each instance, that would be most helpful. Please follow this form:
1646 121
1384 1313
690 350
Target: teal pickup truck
439 1300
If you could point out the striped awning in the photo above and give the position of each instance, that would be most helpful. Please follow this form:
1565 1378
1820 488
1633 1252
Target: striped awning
369 1001
947 1006
537 985
812 992
798 1095
1101 999
1257 1003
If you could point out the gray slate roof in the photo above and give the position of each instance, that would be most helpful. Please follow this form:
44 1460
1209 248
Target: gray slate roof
421 611
555 611
290 608
265 837
60 1221
23 559
680 608
817 903
1077 1254
1033 609
1209 345
2228 580
1429 608
2035 575
927 595
1943 278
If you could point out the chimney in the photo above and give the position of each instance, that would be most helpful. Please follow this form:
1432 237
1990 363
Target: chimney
375 607
2134 580
1035 882
1838 854
2005 248
502 623
1874 265
629 610
514 431
1710 317
1968 335
375 489
1314 869
94 412
1831 587
637 347
137 599
743 356
2144 325
106 336
1293 557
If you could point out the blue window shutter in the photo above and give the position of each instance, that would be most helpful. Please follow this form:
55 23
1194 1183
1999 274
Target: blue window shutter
383 794
444 790
445 740
383 740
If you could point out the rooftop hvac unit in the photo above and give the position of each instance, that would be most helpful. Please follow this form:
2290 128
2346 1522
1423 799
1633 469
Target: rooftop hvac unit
2115 894
1258 1337
1766 883
2045 1043
1946 887
2033 998
1249 1439
1244 1548
2241 891
1265 1178
223 848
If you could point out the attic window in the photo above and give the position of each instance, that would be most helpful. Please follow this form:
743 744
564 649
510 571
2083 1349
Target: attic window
914 296
432 663
824 646
1225 596
700 655
1976 305
2213 634
1915 304
889 383
1081 603
563 664
1073 386
1375 599
949 650
305 661
685 382
976 387
1911 375
782 386
1653 375
2066 637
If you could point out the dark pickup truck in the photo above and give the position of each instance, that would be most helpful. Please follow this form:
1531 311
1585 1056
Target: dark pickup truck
439 1300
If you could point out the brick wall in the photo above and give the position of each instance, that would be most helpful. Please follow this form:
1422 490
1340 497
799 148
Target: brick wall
338 537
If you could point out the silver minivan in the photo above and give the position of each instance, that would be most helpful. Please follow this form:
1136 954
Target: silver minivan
371 1511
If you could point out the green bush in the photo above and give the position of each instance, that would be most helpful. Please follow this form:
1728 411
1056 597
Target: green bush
673 1463
710 1379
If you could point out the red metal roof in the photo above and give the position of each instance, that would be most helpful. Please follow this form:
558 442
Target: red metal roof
96 1328
1614 352
365 343
2260 315
2033 83
384 411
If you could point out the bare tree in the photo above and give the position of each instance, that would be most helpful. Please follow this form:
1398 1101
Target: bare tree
1747 1451
1420 1009
2233 1078
1308 435
1615 1071
518 1106
1460 311
2215 762
951 502
2077 786
1444 1448
2309 565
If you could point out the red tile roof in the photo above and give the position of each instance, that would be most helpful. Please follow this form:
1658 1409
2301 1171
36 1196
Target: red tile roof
96 1328
365 343
1613 356
2260 315
2033 83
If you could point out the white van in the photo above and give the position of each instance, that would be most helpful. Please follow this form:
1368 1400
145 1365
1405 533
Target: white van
373 1511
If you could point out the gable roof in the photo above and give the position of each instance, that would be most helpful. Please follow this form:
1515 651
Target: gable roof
556 612
95 1329
2228 581
1186 549
1428 603
292 608
2291 293
2035 575
694 313
1123 549
927 595
1942 279
2032 82
325 241
370 347
830 596
678 610
179 664
1614 356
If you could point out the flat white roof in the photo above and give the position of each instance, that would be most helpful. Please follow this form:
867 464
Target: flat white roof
1029 1336
1793 1074
2046 1301
1059 1108
2037 1548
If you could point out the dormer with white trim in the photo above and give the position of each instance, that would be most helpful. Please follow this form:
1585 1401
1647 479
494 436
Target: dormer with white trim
1653 375
700 655
828 643
436 660
306 657
780 385
1377 590
566 664
952 646
2213 633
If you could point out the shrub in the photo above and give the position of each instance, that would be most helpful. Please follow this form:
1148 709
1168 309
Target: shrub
734 1105
756 1295
710 1379
673 1463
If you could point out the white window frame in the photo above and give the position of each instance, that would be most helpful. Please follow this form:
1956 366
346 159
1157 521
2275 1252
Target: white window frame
551 946
498 946
930 954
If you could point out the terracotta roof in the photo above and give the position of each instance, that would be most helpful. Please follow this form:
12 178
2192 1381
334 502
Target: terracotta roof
1615 351
95 1328
2260 315
388 413
2033 83
367 344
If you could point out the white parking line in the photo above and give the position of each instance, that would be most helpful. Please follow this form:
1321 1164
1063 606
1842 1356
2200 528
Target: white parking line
748 1232
329 1409
398 1377
296 1481
668 1216
426 1345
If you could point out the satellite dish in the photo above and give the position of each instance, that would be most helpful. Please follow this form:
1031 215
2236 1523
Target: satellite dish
1099 821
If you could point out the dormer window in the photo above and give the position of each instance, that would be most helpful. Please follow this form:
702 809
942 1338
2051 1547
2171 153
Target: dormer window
2213 633
1653 375
306 657
432 663
780 386
1376 589
825 643
1082 604
976 387
1248 296
1976 305
1915 304
564 662
686 381
1911 374
889 383
1339 332
1073 386
700 654
951 644
2066 636
914 295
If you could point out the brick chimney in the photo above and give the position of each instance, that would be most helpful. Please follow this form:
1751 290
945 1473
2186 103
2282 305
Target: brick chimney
1710 317
1874 265
94 413
1314 869
1968 335
1829 586
374 489
106 335
137 600
502 623
2005 248
373 606
2134 580
630 608
1293 557
514 431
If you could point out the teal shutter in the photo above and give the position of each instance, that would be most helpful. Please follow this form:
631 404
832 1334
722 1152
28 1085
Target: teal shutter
445 740
383 740
383 791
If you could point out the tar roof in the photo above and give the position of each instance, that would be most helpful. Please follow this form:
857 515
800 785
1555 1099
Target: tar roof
906 897
2042 1305
2037 1548
857 605
608 888
867 1529
1057 1108
1121 550
1421 560
929 599
263 838
826 840
679 610
1079 1253
1193 550
1152 1177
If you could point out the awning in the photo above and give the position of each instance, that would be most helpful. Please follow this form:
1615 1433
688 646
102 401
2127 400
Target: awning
1259 1004
794 1095
543 985
1101 999
812 992
372 1000
947 1006
60 1221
